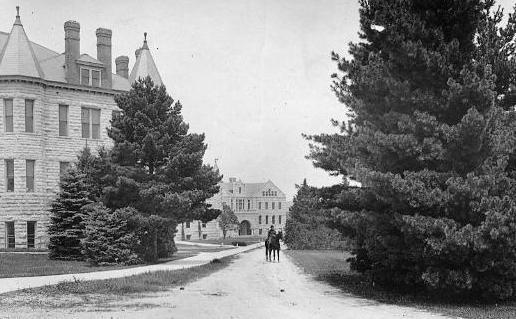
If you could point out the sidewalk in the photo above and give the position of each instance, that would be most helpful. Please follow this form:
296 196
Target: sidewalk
12 284
190 243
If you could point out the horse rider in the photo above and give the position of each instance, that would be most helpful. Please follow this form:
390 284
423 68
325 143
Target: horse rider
271 233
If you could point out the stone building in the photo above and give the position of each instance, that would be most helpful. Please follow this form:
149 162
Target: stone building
257 206
51 106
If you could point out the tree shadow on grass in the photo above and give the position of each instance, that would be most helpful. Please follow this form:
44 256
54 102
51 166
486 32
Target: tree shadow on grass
359 286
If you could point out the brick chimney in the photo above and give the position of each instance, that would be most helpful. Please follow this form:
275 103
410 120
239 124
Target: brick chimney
122 66
72 50
104 55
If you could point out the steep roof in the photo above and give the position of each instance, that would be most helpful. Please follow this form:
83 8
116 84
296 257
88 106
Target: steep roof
248 189
20 56
145 65
17 56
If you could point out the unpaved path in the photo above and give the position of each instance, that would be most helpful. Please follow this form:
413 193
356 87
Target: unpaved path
248 288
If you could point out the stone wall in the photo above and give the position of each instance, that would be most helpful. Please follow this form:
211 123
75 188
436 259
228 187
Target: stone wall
45 146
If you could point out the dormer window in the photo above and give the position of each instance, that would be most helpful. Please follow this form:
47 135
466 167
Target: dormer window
90 77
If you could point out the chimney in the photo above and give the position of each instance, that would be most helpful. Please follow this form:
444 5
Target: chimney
104 55
122 66
72 50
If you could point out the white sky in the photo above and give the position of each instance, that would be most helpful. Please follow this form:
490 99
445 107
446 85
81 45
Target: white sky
253 75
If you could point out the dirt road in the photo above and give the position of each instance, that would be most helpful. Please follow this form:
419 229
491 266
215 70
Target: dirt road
248 288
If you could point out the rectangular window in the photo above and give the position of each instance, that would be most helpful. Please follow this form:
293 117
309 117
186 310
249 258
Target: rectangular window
273 203
31 234
248 204
266 219
29 116
29 175
279 205
9 174
240 190
9 234
85 122
266 205
204 236
188 237
95 123
260 219
203 225
63 167
95 78
187 224
8 113
273 219
279 219
85 77
259 231
259 205
63 120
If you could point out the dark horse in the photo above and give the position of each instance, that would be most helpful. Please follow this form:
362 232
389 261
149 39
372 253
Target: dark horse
272 245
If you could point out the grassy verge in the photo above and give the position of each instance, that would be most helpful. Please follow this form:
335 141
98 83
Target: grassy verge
25 265
147 282
100 293
332 267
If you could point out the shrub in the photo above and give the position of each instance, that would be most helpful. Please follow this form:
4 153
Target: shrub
125 236
112 237
239 243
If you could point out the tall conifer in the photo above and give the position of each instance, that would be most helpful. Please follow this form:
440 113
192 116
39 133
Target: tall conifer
431 142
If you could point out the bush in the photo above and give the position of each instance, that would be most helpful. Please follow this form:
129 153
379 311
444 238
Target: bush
302 236
125 236
112 237
239 243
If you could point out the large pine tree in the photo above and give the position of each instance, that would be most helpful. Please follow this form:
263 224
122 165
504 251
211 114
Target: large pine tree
159 165
431 141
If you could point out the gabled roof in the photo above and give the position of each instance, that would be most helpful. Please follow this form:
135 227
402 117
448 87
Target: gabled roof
17 56
87 59
144 65
248 189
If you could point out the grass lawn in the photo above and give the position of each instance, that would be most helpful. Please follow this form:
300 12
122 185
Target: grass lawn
331 266
24 265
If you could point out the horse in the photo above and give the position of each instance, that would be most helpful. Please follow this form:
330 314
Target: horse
272 245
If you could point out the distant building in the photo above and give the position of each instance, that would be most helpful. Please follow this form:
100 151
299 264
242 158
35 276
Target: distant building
257 206
51 106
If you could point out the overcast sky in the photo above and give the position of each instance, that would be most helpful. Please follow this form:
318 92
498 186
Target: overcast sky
252 75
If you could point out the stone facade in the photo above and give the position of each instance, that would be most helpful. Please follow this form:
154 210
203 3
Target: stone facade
256 205
35 82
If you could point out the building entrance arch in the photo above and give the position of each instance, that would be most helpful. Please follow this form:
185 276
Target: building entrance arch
245 228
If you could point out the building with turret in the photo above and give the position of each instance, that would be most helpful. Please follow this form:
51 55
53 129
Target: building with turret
51 106
256 205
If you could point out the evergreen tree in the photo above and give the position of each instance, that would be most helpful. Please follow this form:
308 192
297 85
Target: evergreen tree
432 145
158 164
66 227
227 219
309 220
